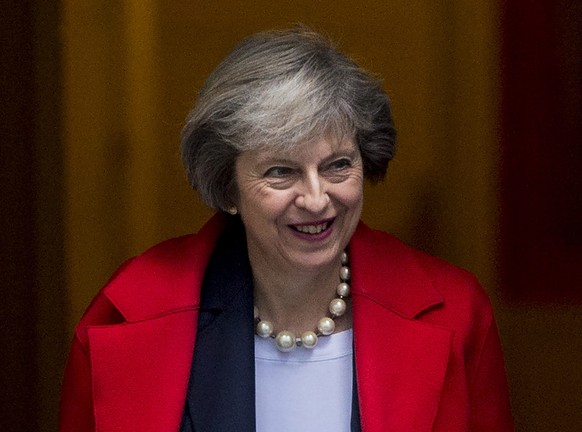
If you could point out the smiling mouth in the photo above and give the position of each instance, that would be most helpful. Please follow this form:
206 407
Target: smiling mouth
313 228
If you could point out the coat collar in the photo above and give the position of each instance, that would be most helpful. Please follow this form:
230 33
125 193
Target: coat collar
386 271
140 291
176 266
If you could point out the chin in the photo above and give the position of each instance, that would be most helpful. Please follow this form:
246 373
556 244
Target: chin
316 261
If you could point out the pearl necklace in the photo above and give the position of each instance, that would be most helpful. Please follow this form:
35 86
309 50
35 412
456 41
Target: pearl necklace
286 340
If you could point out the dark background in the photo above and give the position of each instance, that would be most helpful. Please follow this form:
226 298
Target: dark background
536 279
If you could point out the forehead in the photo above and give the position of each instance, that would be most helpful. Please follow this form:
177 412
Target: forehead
320 148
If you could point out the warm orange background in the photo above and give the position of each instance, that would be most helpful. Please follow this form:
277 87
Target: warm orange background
95 173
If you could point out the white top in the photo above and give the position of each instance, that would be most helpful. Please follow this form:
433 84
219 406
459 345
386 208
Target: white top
304 390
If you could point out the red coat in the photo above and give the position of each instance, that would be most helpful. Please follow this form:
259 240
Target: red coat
427 352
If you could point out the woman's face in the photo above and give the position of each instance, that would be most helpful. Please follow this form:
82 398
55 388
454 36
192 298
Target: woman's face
300 208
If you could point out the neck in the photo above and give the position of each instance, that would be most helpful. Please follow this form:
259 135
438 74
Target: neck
294 299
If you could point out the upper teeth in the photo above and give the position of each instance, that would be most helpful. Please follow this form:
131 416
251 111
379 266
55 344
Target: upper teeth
312 229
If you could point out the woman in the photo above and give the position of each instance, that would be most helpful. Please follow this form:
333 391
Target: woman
285 312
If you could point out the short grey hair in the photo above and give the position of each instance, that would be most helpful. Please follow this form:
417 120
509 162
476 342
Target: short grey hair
279 89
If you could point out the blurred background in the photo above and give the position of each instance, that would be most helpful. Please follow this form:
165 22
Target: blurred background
487 99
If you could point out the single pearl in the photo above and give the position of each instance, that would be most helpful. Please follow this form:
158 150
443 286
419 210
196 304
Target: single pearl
309 339
264 329
345 273
326 326
344 258
343 289
285 341
337 307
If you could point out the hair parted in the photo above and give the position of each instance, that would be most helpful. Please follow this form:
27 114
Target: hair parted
281 88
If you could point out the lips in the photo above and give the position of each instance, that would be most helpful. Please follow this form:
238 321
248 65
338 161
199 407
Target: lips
313 228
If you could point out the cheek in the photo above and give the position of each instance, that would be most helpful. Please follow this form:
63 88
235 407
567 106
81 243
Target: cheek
276 202
356 205
353 195
266 202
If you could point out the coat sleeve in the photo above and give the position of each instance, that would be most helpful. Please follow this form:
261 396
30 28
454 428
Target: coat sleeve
490 405
76 410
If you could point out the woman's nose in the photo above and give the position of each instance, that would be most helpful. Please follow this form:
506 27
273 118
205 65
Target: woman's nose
313 197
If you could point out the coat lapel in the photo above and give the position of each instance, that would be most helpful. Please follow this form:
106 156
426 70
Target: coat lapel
401 367
140 368
140 372
400 362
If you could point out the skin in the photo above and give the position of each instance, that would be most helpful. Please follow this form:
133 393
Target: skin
317 185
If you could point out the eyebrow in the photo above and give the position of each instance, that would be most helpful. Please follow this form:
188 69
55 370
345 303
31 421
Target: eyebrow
352 153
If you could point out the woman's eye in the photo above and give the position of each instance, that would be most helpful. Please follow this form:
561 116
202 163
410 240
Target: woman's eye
340 164
278 172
